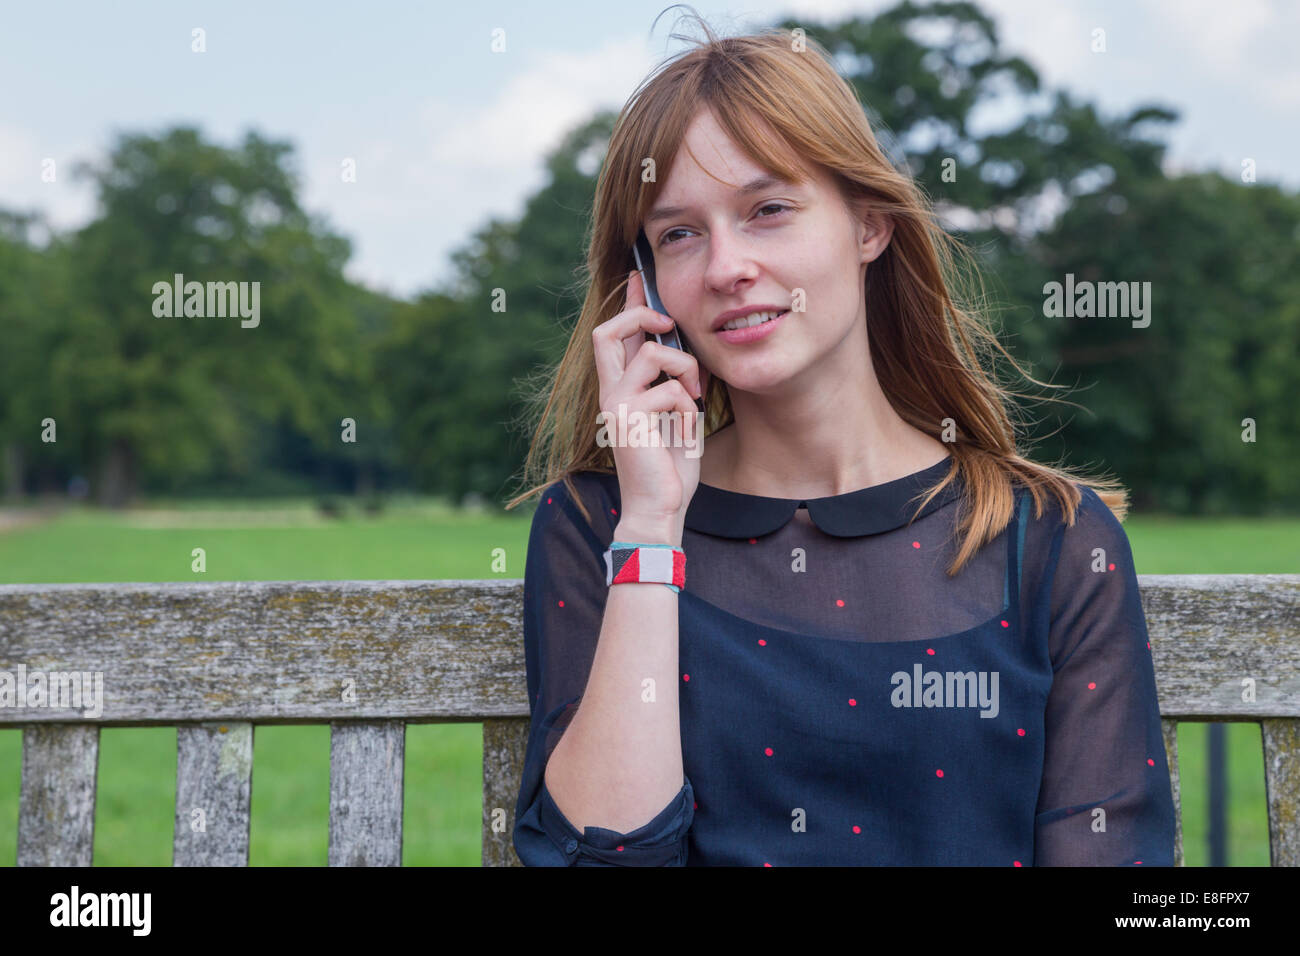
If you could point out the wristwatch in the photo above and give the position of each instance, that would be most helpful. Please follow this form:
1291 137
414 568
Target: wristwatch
627 562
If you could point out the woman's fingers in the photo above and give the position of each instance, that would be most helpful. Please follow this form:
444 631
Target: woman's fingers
615 342
653 358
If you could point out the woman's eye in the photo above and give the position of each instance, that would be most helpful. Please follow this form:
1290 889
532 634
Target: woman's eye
665 241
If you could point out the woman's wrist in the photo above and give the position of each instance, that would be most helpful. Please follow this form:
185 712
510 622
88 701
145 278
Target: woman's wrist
645 530
646 562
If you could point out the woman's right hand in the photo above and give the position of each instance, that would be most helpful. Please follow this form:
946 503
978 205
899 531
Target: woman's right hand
656 483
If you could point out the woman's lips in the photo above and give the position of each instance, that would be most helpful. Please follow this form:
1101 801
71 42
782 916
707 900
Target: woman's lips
751 333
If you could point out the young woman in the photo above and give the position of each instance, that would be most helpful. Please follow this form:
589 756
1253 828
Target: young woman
880 653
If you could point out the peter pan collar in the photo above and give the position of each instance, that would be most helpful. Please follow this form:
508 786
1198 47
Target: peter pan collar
880 508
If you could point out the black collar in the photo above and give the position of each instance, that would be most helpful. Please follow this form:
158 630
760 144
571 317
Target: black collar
880 508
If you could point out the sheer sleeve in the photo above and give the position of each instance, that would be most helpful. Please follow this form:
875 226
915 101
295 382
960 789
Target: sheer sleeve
1105 797
564 605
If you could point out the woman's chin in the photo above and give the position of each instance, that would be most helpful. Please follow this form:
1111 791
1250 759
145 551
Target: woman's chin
757 379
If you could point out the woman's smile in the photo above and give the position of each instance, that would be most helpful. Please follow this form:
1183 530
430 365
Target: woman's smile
751 333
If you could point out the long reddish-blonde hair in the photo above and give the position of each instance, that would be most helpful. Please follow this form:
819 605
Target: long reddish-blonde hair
928 345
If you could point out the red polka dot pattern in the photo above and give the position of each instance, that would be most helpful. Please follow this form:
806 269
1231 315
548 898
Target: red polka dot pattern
934 742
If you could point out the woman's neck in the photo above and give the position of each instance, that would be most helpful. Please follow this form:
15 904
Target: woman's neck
816 462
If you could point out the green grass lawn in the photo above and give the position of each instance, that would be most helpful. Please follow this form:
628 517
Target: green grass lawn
137 766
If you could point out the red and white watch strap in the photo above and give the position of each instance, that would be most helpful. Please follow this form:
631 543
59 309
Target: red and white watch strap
627 562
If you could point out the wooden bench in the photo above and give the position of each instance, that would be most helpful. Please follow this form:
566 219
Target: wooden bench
215 660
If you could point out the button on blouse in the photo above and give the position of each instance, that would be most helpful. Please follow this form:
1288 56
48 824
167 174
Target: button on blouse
844 701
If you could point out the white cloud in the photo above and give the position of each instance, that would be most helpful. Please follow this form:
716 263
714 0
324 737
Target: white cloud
66 203
18 160
1247 38
466 157
535 107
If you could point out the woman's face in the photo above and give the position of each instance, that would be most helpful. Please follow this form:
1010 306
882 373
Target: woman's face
719 247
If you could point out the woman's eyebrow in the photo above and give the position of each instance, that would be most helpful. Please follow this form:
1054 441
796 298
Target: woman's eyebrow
763 182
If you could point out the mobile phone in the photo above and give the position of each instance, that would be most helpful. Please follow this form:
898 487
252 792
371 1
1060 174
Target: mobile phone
645 264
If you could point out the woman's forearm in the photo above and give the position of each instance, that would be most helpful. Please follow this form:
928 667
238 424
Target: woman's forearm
619 762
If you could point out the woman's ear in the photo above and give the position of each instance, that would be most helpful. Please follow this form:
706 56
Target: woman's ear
875 231
872 227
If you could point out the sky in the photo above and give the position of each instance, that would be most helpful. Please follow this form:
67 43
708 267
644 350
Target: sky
447 133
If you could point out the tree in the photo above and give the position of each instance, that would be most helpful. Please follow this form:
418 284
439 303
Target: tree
454 363
181 395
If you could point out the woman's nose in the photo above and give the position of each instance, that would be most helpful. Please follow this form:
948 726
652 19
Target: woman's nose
730 260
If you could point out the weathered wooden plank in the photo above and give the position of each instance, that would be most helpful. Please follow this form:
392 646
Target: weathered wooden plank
505 742
1169 730
56 806
214 789
436 650
367 760
275 652
1282 787
1225 646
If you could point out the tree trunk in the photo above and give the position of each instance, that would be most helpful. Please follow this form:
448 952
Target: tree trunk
14 471
117 484
364 485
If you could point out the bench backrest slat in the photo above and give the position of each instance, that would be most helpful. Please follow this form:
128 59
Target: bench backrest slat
1282 786
285 652
1169 730
214 789
505 741
367 760
56 803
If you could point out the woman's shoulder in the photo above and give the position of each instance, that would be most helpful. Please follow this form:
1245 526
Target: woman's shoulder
588 485
1091 525
1046 509
597 491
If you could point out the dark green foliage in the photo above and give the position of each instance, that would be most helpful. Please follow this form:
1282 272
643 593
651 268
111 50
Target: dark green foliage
436 386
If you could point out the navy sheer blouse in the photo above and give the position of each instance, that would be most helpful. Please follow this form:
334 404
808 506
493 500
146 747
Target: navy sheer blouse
844 702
